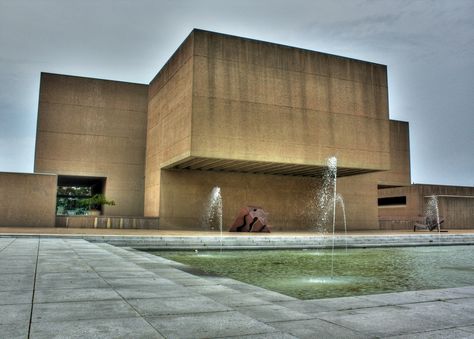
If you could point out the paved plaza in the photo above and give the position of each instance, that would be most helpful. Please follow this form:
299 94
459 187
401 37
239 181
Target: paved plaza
72 288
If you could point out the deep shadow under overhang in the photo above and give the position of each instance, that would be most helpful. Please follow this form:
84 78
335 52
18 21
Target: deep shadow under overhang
260 167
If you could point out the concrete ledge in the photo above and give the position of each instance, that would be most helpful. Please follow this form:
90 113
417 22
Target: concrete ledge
268 242
107 222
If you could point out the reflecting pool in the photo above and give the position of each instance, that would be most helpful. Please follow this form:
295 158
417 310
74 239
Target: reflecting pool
306 274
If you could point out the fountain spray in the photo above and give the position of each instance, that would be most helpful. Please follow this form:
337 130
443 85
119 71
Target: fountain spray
432 211
332 168
213 212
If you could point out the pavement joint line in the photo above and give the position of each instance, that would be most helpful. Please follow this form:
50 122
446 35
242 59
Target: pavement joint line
232 308
118 293
240 335
428 331
4 248
34 285
340 325
399 304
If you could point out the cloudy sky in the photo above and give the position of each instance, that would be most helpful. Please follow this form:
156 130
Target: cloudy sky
428 47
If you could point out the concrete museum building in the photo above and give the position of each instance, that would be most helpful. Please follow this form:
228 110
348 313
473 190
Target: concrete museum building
257 119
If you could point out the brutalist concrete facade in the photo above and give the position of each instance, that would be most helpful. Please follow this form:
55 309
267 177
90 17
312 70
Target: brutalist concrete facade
27 199
94 128
257 119
409 205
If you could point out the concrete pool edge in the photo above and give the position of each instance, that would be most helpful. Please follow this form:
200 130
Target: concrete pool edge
230 242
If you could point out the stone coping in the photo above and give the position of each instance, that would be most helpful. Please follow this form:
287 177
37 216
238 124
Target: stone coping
212 240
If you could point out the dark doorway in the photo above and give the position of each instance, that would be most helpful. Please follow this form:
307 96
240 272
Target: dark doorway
73 189
393 201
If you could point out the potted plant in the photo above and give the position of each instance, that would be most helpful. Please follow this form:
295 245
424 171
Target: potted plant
94 203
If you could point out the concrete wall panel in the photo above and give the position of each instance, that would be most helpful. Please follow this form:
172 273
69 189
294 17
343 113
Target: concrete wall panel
27 199
185 193
289 200
169 121
232 48
248 131
97 128
259 101
360 197
399 173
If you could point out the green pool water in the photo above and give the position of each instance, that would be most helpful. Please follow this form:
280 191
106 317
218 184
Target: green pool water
306 274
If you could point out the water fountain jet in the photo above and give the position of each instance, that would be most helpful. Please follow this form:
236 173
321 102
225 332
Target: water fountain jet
327 200
213 212
432 212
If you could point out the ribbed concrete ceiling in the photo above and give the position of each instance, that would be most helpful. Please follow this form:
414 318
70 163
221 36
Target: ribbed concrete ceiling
260 167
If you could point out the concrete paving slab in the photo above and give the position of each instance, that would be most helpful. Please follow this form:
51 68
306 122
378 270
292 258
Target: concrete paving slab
153 291
194 281
272 296
272 313
115 267
16 270
83 310
71 283
153 265
457 312
463 290
127 282
17 261
127 274
97 328
19 253
16 281
381 321
467 328
82 294
176 305
466 303
171 273
22 247
316 328
326 305
11 314
15 330
243 287
45 277
212 290
57 260
450 333
223 280
209 325
17 277
400 298
57 253
272 335
239 300
65 267
16 297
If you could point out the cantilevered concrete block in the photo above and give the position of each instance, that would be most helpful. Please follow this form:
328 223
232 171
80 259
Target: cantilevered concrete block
230 104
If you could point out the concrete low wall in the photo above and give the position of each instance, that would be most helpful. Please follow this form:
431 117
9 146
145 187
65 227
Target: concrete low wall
27 199
259 242
400 223
107 222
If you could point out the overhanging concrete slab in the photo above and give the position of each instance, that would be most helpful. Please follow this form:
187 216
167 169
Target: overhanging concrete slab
260 167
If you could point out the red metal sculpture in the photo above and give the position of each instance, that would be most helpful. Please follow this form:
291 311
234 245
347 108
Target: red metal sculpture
251 219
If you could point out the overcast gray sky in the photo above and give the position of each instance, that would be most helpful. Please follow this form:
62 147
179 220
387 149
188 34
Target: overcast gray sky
428 47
